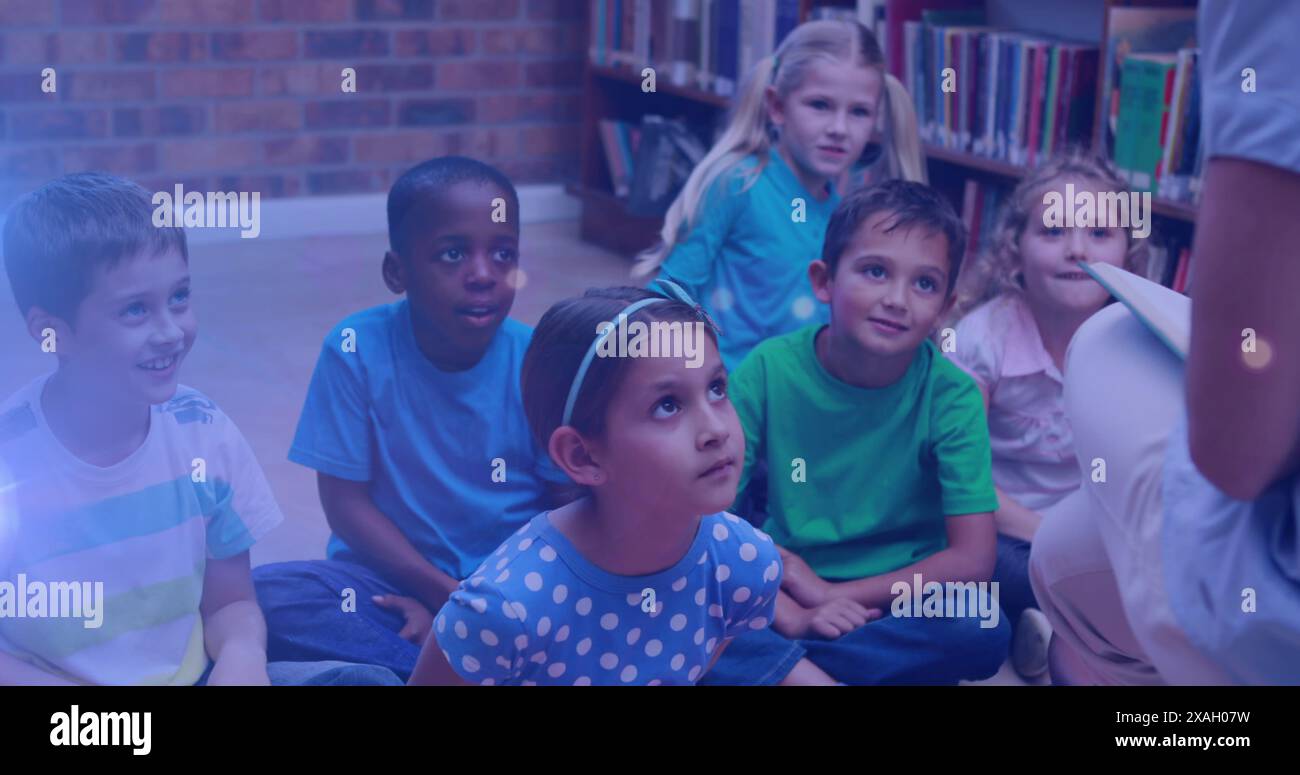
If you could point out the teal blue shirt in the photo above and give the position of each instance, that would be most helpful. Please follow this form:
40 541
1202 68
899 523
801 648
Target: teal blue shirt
746 258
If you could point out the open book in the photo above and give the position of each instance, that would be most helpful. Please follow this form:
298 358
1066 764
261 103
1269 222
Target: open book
1166 313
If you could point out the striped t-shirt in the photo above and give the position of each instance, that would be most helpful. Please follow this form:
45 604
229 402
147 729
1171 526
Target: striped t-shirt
101 569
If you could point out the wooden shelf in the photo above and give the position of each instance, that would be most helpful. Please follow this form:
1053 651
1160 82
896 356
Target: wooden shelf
1181 211
632 76
606 221
614 92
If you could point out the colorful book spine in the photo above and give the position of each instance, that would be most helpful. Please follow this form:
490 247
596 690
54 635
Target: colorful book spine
1146 85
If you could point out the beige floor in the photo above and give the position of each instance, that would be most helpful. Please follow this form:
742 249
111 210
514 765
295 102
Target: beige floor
264 306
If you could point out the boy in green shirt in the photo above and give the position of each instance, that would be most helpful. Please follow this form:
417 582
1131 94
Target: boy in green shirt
880 490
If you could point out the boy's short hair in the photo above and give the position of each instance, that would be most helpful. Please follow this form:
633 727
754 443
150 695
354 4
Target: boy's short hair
58 235
912 205
431 177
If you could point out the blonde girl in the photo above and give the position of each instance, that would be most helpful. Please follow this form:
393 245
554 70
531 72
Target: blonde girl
751 218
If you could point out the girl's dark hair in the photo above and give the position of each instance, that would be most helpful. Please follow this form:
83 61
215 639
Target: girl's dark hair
560 342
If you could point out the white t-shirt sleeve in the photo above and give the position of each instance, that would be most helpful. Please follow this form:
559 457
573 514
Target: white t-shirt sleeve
242 508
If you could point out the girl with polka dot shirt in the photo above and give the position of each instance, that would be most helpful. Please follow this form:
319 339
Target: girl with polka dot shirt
643 577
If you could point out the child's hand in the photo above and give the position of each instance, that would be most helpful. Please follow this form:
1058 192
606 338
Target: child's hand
240 666
418 619
801 583
838 616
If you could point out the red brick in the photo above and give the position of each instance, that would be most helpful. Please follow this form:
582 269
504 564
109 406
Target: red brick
108 85
347 113
344 181
531 170
159 120
162 47
306 149
27 88
81 46
322 44
477 9
126 160
257 116
482 143
14 12
538 106
168 182
28 49
399 147
106 11
384 78
567 10
394 10
267 185
61 123
547 40
299 79
199 12
435 42
435 112
305 10
531 106
259 44
477 74
559 72
229 82
179 156
36 164
548 140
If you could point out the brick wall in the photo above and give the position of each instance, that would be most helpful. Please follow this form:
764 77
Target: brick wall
245 94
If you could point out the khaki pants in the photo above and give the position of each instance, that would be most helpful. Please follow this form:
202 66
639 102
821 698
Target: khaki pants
1096 566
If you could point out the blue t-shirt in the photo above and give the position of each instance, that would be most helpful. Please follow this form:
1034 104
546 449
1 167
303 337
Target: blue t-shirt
746 257
448 455
537 612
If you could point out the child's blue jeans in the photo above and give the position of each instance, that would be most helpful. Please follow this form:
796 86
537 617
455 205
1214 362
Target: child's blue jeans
306 620
892 650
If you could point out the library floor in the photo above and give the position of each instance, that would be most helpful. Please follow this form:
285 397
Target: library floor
263 307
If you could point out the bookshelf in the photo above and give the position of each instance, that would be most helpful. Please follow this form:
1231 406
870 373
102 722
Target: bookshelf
614 92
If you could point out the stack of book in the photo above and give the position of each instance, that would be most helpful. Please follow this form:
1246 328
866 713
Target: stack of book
1002 95
1152 98
981 205
1158 144
650 162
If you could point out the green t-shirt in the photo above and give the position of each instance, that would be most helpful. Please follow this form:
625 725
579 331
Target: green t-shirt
881 467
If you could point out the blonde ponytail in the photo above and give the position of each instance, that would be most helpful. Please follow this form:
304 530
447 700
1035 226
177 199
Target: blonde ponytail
746 135
903 140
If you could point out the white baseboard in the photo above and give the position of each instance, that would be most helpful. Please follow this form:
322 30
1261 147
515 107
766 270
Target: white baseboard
326 216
